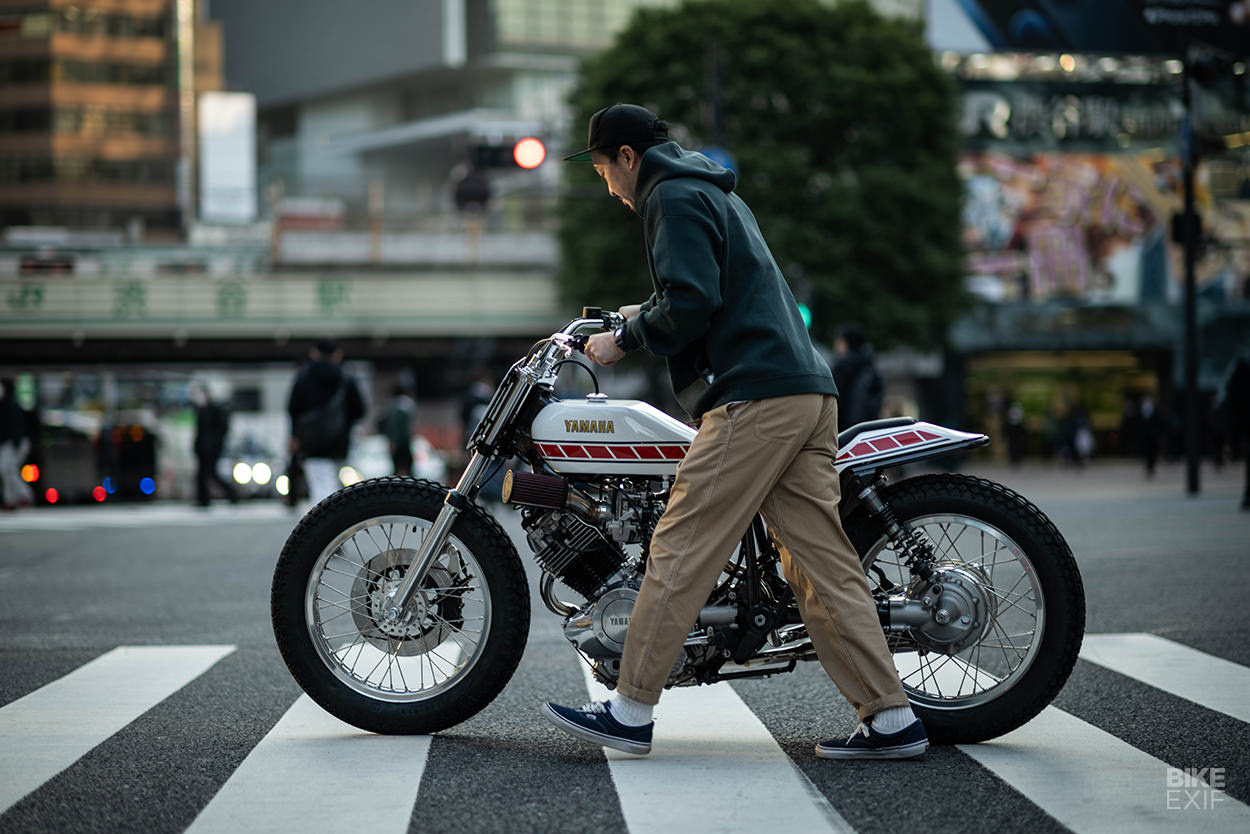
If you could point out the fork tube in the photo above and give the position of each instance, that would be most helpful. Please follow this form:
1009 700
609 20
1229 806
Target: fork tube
433 544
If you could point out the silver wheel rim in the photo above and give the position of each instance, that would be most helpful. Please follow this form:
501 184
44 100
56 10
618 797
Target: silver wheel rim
988 668
438 643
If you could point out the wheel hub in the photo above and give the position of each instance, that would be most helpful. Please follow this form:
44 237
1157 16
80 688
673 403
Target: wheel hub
430 617
961 609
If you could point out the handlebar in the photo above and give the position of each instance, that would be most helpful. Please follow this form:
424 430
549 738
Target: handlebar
592 318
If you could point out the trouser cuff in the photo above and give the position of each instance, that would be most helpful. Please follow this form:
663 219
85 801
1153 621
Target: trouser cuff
648 697
871 708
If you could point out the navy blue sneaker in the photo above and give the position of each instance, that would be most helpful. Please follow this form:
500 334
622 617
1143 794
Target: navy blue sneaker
594 723
867 743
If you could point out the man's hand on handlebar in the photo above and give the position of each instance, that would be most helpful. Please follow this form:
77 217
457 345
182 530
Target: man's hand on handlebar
630 310
602 349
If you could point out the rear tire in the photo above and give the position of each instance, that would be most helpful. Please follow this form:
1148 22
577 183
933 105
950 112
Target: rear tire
983 526
454 654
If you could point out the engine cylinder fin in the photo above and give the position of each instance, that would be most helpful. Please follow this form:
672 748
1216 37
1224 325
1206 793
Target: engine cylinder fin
572 550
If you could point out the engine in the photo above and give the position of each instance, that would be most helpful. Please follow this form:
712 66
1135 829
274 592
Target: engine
578 534
572 550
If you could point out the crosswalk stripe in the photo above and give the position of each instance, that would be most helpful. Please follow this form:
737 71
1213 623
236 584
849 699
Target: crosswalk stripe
145 515
1196 676
314 773
46 731
708 744
1090 780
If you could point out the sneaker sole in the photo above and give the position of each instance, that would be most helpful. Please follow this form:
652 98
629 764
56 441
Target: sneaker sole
903 751
577 730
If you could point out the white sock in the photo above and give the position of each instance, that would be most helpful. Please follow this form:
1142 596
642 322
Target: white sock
893 719
629 712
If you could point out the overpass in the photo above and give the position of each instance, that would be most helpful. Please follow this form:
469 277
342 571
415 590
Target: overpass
384 296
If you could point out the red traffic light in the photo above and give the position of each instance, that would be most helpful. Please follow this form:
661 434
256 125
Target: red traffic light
529 153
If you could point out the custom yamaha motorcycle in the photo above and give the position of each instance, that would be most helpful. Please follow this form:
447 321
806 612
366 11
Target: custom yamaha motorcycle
401 606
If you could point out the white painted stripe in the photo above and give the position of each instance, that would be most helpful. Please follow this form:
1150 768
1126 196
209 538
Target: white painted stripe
713 766
46 731
1196 676
172 513
1091 781
314 773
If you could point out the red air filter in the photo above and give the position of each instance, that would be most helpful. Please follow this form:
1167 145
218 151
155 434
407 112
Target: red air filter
532 490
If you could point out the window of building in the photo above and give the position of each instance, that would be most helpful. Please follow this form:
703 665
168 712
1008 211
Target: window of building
30 168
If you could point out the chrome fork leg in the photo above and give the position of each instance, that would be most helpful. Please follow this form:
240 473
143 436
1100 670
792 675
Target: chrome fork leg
433 544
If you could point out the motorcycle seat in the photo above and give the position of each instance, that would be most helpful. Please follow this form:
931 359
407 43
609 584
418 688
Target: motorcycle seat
845 437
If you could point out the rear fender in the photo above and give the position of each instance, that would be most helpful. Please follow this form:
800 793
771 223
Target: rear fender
871 447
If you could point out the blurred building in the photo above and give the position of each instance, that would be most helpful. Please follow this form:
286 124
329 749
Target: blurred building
386 108
97 124
394 108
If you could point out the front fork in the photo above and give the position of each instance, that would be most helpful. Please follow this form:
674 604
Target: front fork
457 502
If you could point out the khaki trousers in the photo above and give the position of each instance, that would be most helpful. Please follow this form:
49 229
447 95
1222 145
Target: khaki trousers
773 456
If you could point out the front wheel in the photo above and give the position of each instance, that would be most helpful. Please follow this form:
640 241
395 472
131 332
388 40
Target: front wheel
1009 612
453 652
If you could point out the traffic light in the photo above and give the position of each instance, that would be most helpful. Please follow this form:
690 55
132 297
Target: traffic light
806 313
527 154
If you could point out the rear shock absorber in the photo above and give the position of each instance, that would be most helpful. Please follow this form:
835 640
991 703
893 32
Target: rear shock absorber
913 545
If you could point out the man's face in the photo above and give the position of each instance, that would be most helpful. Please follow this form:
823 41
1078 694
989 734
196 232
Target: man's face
620 174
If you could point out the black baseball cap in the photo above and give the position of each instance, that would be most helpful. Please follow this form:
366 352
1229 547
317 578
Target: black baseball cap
621 124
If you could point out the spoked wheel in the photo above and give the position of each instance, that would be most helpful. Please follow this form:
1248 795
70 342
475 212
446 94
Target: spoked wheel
1006 604
459 641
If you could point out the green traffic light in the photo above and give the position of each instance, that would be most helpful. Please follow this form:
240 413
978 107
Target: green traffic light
806 313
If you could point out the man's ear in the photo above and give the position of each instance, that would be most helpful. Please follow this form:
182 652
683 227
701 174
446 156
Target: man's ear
630 155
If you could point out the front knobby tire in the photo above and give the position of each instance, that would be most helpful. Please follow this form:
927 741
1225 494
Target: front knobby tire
1037 620
451 656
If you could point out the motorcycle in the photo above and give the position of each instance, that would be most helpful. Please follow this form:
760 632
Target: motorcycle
401 606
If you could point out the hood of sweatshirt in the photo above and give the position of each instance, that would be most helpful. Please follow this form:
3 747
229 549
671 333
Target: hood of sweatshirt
670 160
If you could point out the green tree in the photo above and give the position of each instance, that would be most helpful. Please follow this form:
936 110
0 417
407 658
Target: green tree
843 129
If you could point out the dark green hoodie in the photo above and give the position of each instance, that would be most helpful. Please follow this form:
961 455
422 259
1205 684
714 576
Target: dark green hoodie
722 313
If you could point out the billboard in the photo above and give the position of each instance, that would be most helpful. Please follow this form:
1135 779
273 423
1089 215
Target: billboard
1095 228
1141 27
227 127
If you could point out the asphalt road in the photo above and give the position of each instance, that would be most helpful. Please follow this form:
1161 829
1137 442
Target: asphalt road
77 583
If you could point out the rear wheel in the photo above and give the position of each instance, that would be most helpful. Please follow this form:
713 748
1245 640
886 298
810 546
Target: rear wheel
1009 614
464 632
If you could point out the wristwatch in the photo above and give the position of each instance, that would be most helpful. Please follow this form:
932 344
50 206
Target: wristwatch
618 336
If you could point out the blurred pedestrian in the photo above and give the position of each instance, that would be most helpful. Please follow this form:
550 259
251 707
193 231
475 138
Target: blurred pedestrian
1149 433
474 401
1082 436
397 428
473 405
1235 403
14 447
212 424
860 387
324 404
1016 433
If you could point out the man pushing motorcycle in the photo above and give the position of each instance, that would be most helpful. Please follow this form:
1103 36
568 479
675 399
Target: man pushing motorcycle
742 364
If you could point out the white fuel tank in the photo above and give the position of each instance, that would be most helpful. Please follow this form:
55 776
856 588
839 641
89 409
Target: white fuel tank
600 436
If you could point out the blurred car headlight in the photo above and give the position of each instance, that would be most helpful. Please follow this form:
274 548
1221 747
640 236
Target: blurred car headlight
242 473
348 476
261 473
282 484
